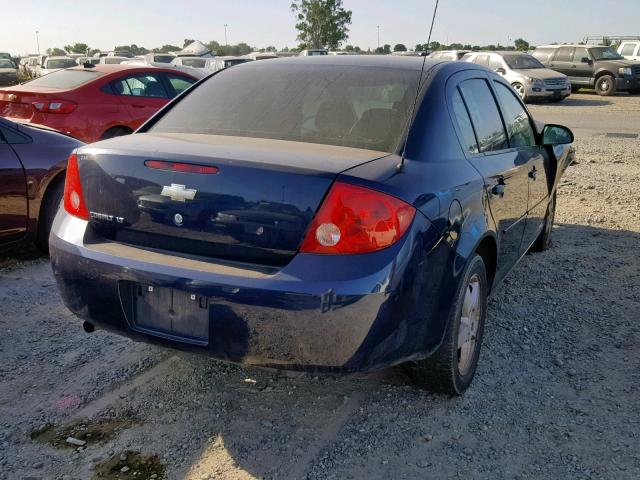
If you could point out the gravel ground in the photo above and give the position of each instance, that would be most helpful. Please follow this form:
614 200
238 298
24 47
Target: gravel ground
557 393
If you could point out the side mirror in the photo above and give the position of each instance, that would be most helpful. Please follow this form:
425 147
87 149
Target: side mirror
556 135
500 70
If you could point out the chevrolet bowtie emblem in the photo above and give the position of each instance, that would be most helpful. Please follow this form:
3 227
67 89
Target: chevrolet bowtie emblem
178 193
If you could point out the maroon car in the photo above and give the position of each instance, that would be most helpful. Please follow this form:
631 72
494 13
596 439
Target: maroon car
33 162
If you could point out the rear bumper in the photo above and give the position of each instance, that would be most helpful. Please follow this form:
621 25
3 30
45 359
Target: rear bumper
315 313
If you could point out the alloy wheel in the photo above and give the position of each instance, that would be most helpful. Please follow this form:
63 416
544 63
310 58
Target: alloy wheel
469 322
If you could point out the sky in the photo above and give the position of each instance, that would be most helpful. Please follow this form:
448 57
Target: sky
104 24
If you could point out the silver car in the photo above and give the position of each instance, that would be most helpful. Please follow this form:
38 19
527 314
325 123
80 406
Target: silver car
530 78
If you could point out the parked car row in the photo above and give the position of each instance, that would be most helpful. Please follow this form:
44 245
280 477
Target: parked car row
552 72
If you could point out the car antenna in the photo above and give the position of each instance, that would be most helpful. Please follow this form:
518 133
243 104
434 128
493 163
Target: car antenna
415 101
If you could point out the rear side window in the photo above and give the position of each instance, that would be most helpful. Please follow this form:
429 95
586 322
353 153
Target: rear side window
464 123
140 85
495 62
179 83
65 79
484 115
628 49
481 60
515 117
543 54
565 54
9 136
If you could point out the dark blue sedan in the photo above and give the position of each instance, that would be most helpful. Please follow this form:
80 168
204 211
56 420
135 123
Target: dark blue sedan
337 213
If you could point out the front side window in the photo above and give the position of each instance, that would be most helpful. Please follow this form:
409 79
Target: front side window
484 115
464 123
140 85
515 117
579 54
495 62
481 60
565 54
360 107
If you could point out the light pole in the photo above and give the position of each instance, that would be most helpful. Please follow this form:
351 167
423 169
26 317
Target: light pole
378 27
38 41
225 35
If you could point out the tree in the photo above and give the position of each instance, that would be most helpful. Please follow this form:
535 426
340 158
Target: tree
187 42
399 48
77 48
434 46
321 23
271 49
521 44
56 52
167 49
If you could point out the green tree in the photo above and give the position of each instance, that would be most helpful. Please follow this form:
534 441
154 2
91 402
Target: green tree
435 46
521 44
321 23
399 48
167 49
186 42
271 49
56 52
77 48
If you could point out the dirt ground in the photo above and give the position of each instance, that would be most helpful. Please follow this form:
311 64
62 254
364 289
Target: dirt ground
557 393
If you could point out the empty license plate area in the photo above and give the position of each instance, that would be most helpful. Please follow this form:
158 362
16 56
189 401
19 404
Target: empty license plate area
172 314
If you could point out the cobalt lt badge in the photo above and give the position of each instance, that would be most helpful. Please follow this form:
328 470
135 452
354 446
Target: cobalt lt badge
177 219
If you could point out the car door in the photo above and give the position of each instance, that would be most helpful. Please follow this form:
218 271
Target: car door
502 168
522 138
582 71
562 62
142 94
13 192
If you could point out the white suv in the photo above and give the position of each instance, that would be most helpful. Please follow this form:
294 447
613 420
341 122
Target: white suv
630 50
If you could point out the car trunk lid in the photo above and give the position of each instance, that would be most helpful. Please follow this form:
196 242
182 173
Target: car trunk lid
255 208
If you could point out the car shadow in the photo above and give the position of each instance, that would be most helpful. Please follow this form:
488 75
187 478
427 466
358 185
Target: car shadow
582 102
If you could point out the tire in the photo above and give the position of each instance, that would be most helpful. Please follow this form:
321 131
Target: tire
520 90
50 204
543 242
451 368
605 85
115 132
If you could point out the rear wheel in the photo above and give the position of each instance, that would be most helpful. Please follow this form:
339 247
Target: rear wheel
543 242
451 368
605 85
115 132
48 209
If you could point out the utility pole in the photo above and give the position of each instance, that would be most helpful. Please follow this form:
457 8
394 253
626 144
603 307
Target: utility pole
38 41
226 42
378 26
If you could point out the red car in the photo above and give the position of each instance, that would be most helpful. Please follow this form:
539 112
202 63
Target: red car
95 103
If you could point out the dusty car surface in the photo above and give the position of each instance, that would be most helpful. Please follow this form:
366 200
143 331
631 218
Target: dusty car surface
348 217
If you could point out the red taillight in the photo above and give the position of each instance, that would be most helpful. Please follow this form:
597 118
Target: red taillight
54 106
73 197
182 167
355 219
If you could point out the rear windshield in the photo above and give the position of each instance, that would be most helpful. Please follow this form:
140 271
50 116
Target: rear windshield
163 58
61 63
65 79
361 107
194 62
522 62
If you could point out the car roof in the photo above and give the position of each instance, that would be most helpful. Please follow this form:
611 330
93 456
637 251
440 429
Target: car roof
380 61
502 52
119 67
572 45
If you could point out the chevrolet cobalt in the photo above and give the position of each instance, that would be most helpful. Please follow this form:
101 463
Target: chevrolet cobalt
338 213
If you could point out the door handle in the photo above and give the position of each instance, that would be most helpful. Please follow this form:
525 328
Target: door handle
498 188
533 174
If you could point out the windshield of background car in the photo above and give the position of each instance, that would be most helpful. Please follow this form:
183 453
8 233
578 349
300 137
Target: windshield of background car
65 79
6 64
522 62
194 62
361 107
60 63
163 58
606 53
